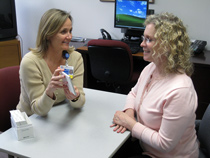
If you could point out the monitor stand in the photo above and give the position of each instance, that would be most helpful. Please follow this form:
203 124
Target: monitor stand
133 34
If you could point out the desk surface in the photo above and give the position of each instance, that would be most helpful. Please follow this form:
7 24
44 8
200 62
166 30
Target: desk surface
69 132
80 46
203 58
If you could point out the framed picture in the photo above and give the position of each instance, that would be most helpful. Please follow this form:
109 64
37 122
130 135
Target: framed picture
151 1
107 0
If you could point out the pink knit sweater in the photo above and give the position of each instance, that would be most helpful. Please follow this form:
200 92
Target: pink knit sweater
166 115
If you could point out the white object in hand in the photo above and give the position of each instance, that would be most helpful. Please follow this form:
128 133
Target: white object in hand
70 85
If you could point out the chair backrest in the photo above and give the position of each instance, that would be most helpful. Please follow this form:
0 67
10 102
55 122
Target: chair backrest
204 132
110 60
9 94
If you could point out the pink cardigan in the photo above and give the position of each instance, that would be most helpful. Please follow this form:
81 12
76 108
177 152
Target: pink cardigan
165 114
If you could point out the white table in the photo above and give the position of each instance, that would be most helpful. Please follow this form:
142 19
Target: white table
67 132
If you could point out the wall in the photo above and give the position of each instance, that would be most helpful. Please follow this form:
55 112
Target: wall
91 15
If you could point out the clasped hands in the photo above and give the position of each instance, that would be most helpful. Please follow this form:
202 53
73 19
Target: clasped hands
123 121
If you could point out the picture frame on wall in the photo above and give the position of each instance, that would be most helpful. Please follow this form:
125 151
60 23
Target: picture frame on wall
151 1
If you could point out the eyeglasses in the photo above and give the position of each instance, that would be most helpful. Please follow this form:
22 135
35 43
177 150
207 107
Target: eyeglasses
146 39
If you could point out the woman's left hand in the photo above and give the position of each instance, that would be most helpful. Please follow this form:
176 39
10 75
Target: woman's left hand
122 122
69 95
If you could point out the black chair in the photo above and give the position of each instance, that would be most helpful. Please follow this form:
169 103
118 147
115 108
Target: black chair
203 134
9 94
111 62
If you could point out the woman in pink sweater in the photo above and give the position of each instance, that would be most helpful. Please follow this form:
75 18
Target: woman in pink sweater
160 108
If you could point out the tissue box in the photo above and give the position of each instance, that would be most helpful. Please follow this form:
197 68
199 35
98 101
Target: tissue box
21 125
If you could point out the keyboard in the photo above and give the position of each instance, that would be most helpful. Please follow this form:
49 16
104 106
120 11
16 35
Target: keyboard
134 46
135 50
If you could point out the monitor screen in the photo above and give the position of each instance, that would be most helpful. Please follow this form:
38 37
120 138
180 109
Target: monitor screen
130 14
8 26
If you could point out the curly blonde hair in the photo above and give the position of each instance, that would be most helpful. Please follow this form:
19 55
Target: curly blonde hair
172 41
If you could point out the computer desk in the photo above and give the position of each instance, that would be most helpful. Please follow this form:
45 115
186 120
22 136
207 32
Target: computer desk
67 132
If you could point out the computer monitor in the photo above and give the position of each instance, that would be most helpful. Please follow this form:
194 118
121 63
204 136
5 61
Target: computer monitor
8 25
130 14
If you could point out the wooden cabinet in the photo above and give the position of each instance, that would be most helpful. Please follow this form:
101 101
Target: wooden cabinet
10 53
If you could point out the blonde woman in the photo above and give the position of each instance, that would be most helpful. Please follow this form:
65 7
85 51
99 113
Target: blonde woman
164 100
41 82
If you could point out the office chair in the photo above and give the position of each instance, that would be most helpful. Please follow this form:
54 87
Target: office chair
111 62
9 94
203 134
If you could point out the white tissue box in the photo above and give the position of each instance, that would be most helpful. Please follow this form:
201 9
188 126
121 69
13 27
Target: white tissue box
21 125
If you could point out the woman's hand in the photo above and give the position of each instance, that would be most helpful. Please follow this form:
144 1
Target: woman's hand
123 121
69 95
118 128
55 83
131 113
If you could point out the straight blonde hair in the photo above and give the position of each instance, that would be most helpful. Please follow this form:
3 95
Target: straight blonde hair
50 23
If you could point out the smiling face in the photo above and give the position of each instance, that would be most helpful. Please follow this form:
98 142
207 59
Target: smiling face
60 41
147 46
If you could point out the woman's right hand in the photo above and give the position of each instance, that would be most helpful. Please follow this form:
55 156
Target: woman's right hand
119 128
55 83
131 113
